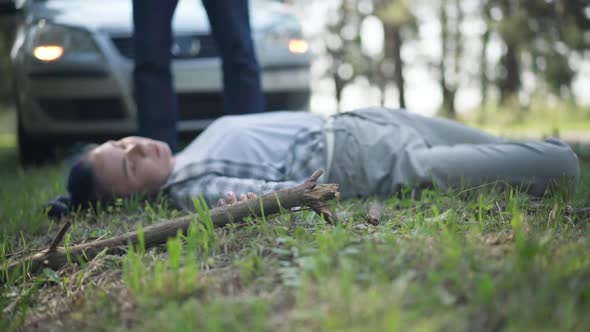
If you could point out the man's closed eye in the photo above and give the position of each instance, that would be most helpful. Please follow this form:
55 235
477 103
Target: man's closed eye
119 145
133 167
129 168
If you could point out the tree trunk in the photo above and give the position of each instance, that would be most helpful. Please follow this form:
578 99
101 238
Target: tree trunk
483 65
339 87
447 92
509 82
397 44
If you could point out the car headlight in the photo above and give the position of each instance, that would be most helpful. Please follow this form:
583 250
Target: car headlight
286 33
298 45
49 42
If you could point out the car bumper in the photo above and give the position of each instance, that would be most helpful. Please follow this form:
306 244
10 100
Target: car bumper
93 102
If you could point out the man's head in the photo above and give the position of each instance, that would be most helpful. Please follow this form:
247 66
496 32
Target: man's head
121 168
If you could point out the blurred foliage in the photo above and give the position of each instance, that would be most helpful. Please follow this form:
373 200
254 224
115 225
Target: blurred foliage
397 14
544 38
541 36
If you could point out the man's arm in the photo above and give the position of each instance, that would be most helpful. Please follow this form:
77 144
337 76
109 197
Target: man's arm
213 188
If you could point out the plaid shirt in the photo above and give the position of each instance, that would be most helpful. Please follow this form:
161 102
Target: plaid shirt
213 179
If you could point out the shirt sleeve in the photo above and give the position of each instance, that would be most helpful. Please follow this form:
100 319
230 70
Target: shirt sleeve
213 187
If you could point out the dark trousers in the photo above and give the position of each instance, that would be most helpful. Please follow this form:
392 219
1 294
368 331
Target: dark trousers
157 106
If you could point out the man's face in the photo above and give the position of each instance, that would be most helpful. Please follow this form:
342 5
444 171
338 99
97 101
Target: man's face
131 165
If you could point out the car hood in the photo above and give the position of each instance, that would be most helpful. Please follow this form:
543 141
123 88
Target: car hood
115 16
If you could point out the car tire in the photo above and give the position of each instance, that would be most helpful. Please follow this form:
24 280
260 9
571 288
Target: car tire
32 150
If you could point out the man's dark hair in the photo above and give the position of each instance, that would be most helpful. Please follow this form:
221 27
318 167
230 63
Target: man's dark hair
82 184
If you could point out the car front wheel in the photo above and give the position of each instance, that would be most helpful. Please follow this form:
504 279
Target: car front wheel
32 150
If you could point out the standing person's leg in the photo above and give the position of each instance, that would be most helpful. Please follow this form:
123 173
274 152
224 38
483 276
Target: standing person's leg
532 166
157 109
230 26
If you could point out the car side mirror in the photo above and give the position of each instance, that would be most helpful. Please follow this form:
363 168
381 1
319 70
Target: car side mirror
11 7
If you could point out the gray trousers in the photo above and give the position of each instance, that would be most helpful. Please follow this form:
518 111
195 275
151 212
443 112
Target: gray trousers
376 151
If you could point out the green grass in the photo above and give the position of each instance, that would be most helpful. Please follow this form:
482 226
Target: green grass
540 120
481 260
7 120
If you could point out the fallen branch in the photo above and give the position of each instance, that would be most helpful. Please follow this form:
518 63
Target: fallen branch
309 193
323 211
578 211
375 213
59 236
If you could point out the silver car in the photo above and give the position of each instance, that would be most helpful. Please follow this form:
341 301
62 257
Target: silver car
73 66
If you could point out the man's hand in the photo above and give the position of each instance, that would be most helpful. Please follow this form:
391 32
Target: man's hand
232 198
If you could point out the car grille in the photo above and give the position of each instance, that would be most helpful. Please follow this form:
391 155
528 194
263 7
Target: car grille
191 106
87 109
184 47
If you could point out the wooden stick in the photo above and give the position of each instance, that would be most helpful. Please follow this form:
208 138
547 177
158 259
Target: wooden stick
309 193
323 211
59 236
580 211
54 243
375 213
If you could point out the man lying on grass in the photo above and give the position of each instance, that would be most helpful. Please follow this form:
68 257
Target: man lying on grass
367 152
